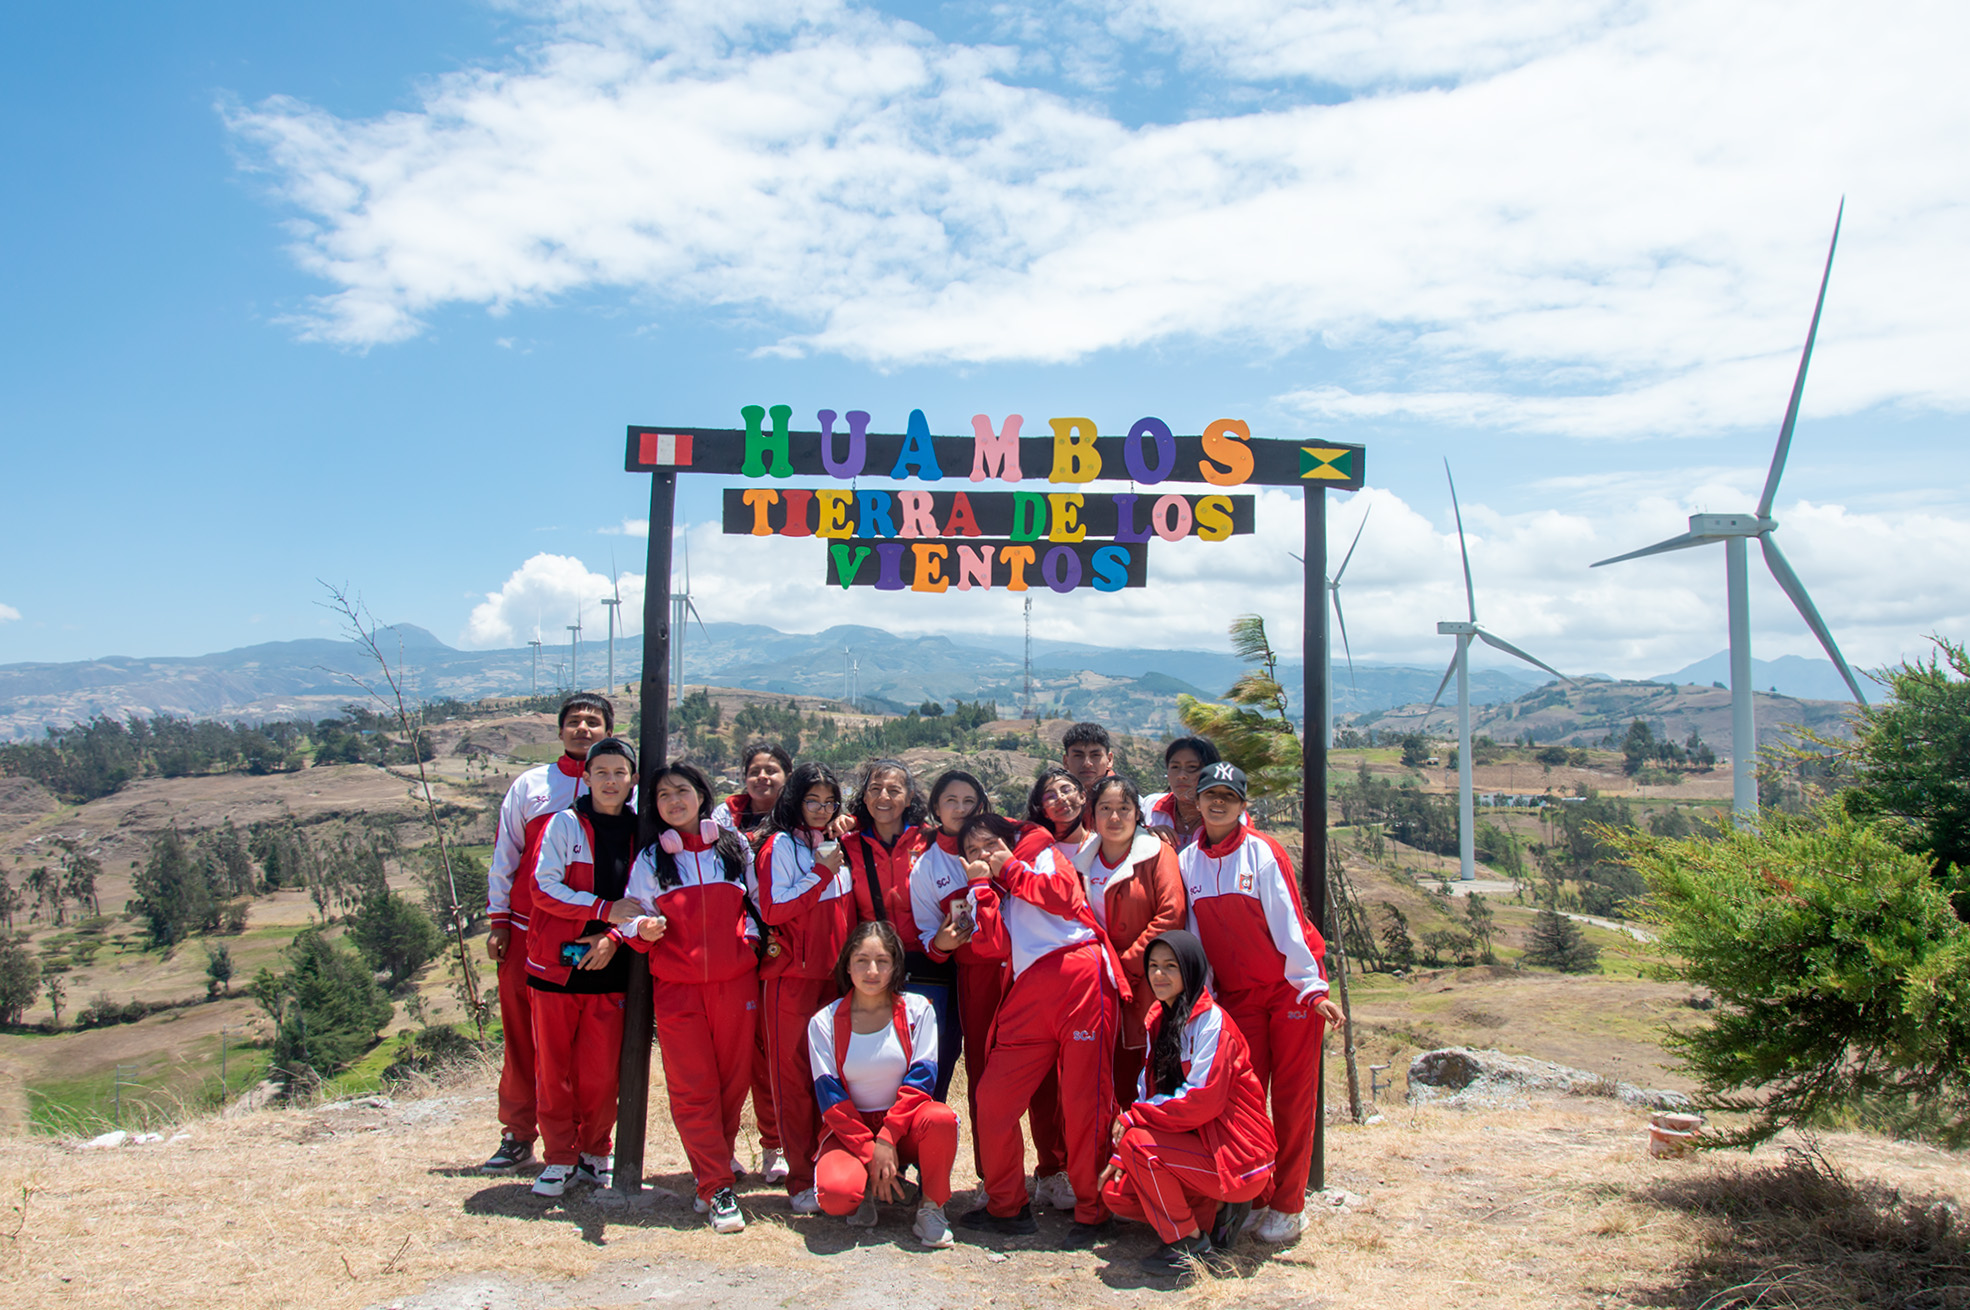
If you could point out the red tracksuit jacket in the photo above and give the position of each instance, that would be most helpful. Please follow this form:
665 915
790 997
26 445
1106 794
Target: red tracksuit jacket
809 910
892 866
1245 908
708 936
564 893
541 791
1044 908
937 880
1220 1099
827 1046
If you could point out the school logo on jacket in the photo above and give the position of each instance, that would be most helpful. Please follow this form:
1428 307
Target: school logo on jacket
1083 1035
1248 880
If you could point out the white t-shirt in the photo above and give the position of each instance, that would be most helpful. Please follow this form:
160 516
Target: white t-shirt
873 1069
1100 874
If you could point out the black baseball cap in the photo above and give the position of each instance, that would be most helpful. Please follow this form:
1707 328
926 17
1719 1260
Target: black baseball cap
1222 774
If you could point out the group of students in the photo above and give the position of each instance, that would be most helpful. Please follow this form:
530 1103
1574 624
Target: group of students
1134 976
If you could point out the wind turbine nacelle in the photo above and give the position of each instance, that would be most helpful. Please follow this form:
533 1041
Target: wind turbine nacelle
1456 629
1729 525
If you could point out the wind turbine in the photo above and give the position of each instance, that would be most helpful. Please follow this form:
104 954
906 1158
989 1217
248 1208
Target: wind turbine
681 606
1334 593
1733 530
613 603
1467 632
574 651
535 643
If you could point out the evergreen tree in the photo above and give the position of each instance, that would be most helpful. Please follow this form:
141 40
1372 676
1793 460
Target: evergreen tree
172 896
394 936
1398 947
1911 760
1558 943
20 979
1483 924
218 970
326 1007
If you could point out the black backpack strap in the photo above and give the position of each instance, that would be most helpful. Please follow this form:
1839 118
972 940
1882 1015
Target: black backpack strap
869 872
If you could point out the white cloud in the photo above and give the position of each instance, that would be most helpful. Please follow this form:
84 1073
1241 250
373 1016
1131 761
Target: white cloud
543 596
628 528
8 614
1594 218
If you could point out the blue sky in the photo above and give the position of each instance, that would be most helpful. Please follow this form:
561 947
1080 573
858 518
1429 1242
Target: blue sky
368 292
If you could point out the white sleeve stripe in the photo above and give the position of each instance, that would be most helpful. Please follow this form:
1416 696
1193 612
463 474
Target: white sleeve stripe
1203 1039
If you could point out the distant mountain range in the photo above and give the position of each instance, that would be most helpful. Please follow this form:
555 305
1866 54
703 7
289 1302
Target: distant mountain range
1133 689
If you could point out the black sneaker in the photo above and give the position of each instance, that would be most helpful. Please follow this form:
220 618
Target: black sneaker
1081 1236
1230 1225
1179 1258
512 1153
1015 1225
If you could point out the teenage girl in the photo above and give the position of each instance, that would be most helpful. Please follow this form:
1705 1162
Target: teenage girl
874 1058
807 899
766 765
696 886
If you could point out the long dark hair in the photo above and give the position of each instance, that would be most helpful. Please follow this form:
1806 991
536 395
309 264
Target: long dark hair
1110 783
880 929
731 847
1166 1043
913 805
945 781
998 825
788 816
1036 799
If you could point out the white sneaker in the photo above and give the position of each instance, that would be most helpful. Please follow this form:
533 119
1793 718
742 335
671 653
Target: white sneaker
1254 1219
596 1169
738 1167
553 1180
773 1166
701 1205
806 1202
1277 1227
1055 1191
726 1216
930 1227
865 1214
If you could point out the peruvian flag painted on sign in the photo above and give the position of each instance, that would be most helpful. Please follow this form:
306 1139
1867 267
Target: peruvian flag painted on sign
672 448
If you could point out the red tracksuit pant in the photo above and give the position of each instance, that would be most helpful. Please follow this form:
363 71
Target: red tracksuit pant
705 1031
577 1052
1059 1016
1170 1182
762 1082
930 1142
790 1003
981 991
1284 1035
516 1023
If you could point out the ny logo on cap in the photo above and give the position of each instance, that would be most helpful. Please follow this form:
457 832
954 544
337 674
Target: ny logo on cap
1221 772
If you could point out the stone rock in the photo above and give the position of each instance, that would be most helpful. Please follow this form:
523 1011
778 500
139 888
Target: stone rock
107 1140
1458 1075
145 1139
1651 1098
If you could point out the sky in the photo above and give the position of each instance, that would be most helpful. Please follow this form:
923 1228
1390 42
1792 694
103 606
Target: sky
367 293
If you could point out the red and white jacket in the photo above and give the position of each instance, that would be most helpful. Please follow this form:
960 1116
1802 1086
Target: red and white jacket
809 909
1039 899
828 1033
708 936
1245 909
891 866
733 812
1220 1100
564 893
936 880
1159 810
535 794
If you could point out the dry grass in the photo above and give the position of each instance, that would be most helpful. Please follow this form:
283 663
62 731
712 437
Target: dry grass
350 1205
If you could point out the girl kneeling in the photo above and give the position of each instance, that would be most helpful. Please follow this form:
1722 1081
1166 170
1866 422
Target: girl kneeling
696 885
874 1055
1197 1134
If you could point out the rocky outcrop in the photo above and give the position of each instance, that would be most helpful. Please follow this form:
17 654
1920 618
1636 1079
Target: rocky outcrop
1461 1076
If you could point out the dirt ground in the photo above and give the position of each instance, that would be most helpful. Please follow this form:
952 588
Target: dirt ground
376 1205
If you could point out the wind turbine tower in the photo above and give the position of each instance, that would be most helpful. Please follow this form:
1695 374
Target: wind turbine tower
614 603
574 652
681 609
1027 713
1334 592
535 643
1736 529
1465 633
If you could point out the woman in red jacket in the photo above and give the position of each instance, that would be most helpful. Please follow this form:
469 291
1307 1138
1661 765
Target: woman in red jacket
695 886
808 900
766 765
1197 1134
1136 894
575 983
874 1057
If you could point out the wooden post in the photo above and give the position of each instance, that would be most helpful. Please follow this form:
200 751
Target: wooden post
633 1071
1313 795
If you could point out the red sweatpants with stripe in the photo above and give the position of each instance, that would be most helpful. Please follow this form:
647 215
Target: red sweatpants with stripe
577 1053
790 1003
929 1141
1283 1034
1058 1017
981 991
516 1024
763 1113
1170 1182
705 1031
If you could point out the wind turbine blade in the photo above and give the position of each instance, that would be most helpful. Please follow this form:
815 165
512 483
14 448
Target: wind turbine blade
1799 382
1351 545
1441 685
692 610
1683 542
1782 570
1470 595
1510 649
1342 619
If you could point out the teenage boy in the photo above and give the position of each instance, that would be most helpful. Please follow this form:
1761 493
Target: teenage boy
1088 752
1270 977
542 790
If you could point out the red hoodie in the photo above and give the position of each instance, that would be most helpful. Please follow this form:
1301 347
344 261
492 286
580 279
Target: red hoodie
708 936
809 909
1220 1099
1245 908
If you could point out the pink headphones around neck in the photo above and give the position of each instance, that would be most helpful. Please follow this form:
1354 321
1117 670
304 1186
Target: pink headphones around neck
673 841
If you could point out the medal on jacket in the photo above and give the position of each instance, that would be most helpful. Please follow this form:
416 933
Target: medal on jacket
772 948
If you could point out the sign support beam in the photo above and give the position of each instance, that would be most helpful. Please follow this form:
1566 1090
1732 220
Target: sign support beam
1314 692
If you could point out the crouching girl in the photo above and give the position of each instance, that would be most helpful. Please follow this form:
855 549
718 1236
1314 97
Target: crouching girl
1197 1135
874 1055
